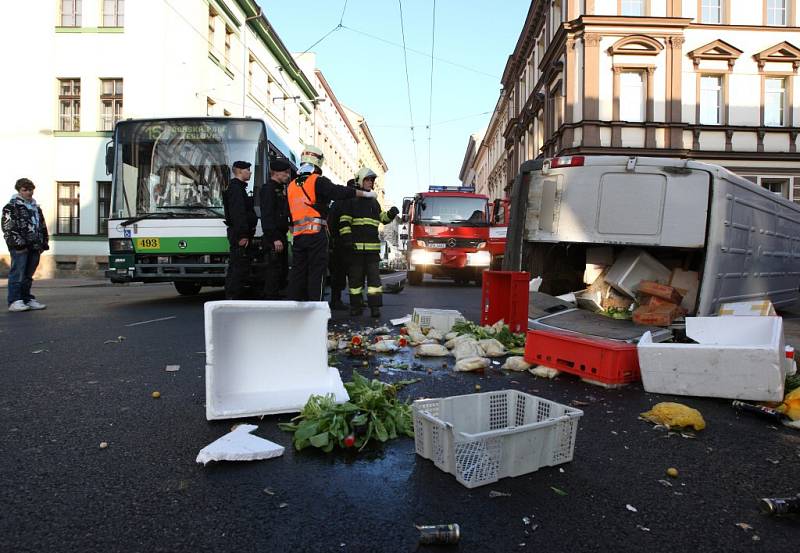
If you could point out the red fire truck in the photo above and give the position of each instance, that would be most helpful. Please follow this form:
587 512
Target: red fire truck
448 234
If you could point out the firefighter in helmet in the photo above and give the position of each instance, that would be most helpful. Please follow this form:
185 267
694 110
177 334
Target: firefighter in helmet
358 224
309 196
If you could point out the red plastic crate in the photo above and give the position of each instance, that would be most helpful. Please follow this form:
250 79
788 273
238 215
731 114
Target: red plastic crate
505 296
606 361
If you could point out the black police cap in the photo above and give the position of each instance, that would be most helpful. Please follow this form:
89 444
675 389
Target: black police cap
241 165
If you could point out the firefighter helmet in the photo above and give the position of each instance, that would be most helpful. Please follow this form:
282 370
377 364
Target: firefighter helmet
312 155
364 173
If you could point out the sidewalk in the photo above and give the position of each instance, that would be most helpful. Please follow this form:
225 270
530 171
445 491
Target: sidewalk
64 282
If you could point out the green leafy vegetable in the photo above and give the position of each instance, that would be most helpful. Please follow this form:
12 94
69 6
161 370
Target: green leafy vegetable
502 334
373 412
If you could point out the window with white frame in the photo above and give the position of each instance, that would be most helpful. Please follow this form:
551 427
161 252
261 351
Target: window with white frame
776 12
103 206
774 102
776 185
69 104
113 13
71 13
711 11
110 103
631 96
632 7
710 99
68 219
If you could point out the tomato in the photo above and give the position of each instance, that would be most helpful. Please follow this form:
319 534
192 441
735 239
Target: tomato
404 331
350 441
356 340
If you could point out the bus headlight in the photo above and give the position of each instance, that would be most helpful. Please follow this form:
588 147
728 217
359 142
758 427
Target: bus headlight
424 257
120 245
479 259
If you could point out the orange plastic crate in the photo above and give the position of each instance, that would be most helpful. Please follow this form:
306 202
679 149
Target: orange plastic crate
606 361
504 295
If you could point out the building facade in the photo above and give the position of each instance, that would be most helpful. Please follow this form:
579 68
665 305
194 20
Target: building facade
712 80
368 153
89 63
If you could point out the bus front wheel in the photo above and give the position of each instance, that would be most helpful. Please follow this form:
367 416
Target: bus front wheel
187 288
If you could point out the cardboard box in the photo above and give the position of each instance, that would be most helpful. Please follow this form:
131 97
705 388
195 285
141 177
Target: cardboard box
734 357
662 291
762 308
661 315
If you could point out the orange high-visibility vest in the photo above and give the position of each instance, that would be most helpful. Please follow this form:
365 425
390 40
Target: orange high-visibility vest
305 218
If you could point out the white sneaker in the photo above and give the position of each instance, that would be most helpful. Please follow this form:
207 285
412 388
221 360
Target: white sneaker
18 305
35 305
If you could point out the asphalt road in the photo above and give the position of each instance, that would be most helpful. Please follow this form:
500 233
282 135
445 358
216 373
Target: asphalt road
65 390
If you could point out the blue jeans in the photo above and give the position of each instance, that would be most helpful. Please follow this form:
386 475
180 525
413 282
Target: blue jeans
20 277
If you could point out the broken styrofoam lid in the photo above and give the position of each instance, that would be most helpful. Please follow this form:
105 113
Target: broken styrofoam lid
240 445
534 284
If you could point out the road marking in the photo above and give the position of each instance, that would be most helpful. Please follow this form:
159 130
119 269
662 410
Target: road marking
151 321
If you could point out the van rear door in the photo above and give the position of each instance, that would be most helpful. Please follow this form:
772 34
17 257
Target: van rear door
605 203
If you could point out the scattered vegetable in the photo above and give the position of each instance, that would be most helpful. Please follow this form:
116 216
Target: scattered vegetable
500 333
156 395
373 412
672 472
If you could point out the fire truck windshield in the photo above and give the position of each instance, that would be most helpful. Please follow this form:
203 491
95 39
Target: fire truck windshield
450 210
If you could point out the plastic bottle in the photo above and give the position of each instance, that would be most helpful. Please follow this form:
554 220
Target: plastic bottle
791 364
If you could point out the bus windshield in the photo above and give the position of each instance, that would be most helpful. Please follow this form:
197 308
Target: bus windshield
449 210
180 167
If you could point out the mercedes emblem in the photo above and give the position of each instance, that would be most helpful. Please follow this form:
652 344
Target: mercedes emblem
182 244
451 243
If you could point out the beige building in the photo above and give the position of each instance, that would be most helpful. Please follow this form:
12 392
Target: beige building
712 80
368 153
89 63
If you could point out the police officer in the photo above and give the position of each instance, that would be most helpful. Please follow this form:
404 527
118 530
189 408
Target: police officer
309 196
359 222
275 224
340 253
241 218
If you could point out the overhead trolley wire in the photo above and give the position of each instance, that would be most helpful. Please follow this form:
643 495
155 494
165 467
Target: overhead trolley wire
421 53
430 97
408 90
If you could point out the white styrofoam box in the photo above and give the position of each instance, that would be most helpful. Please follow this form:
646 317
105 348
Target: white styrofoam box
687 283
592 273
632 267
481 438
735 358
440 319
266 357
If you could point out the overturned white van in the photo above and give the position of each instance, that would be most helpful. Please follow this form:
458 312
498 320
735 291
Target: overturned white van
743 241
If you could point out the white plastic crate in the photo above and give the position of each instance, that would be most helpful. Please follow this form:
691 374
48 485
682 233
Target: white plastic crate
481 438
440 319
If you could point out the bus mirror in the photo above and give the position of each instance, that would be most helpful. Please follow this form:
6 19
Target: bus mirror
109 158
406 206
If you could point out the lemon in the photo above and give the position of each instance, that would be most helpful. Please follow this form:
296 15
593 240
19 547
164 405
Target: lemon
156 394
672 472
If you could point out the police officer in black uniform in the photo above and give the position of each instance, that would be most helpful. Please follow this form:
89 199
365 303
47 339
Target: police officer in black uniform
275 224
241 218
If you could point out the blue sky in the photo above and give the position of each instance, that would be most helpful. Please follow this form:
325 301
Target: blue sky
369 76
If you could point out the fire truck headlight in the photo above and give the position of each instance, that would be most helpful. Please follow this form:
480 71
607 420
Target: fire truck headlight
479 259
423 257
